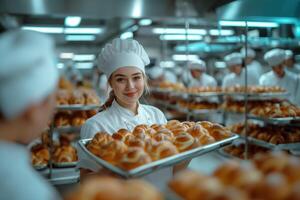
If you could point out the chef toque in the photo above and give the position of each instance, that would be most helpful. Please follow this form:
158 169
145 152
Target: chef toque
27 70
197 64
122 53
250 52
155 72
275 57
233 59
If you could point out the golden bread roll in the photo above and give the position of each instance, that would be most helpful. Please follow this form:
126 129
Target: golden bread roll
113 151
162 150
121 135
185 141
133 158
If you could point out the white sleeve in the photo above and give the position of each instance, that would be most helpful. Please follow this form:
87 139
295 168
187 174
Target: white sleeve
159 116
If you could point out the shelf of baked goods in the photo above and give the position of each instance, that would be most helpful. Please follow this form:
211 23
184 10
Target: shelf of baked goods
271 111
149 148
270 136
238 92
268 176
237 150
63 160
78 99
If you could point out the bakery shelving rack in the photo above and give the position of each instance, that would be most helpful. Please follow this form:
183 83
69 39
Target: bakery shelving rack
64 174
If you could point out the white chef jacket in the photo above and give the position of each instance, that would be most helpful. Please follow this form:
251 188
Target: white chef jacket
204 80
18 179
295 69
115 118
288 82
233 79
255 68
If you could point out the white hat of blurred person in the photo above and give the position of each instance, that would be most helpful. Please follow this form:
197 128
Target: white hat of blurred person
288 54
122 53
197 64
155 72
233 59
250 52
28 73
275 57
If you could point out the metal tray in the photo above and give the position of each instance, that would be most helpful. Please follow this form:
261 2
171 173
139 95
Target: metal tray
40 167
287 146
65 164
78 107
282 120
153 166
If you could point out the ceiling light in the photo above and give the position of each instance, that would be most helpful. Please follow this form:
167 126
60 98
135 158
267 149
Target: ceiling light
72 21
66 55
182 57
181 37
80 37
167 64
224 32
179 31
60 65
145 22
91 30
84 65
84 57
126 35
249 24
44 29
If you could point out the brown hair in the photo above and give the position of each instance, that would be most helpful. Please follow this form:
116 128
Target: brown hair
112 95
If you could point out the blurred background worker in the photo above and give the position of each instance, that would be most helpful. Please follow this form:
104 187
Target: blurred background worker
236 76
28 81
279 76
253 65
158 74
198 76
290 64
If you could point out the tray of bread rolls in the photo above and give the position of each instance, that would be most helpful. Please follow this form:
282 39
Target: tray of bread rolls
77 107
149 148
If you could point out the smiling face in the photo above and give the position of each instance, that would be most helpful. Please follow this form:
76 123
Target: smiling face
128 84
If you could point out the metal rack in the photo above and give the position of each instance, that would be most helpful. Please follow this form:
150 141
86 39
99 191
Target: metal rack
64 173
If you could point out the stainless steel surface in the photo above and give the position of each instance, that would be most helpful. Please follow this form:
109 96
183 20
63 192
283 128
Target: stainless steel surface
153 166
287 146
40 167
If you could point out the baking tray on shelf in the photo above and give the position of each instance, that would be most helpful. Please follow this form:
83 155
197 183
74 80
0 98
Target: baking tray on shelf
40 167
279 120
259 96
77 107
153 166
162 90
286 146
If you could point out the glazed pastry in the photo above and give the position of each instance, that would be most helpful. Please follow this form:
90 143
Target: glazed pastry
113 151
219 132
162 150
140 133
121 135
77 97
65 154
162 137
135 142
185 141
133 158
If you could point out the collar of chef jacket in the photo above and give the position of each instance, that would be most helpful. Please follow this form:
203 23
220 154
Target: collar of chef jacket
128 117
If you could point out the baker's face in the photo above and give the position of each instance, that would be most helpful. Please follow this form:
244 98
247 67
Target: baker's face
128 84
237 69
196 73
278 70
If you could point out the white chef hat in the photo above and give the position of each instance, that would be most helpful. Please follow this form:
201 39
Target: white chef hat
27 70
155 72
233 59
197 64
250 52
288 54
122 53
275 57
